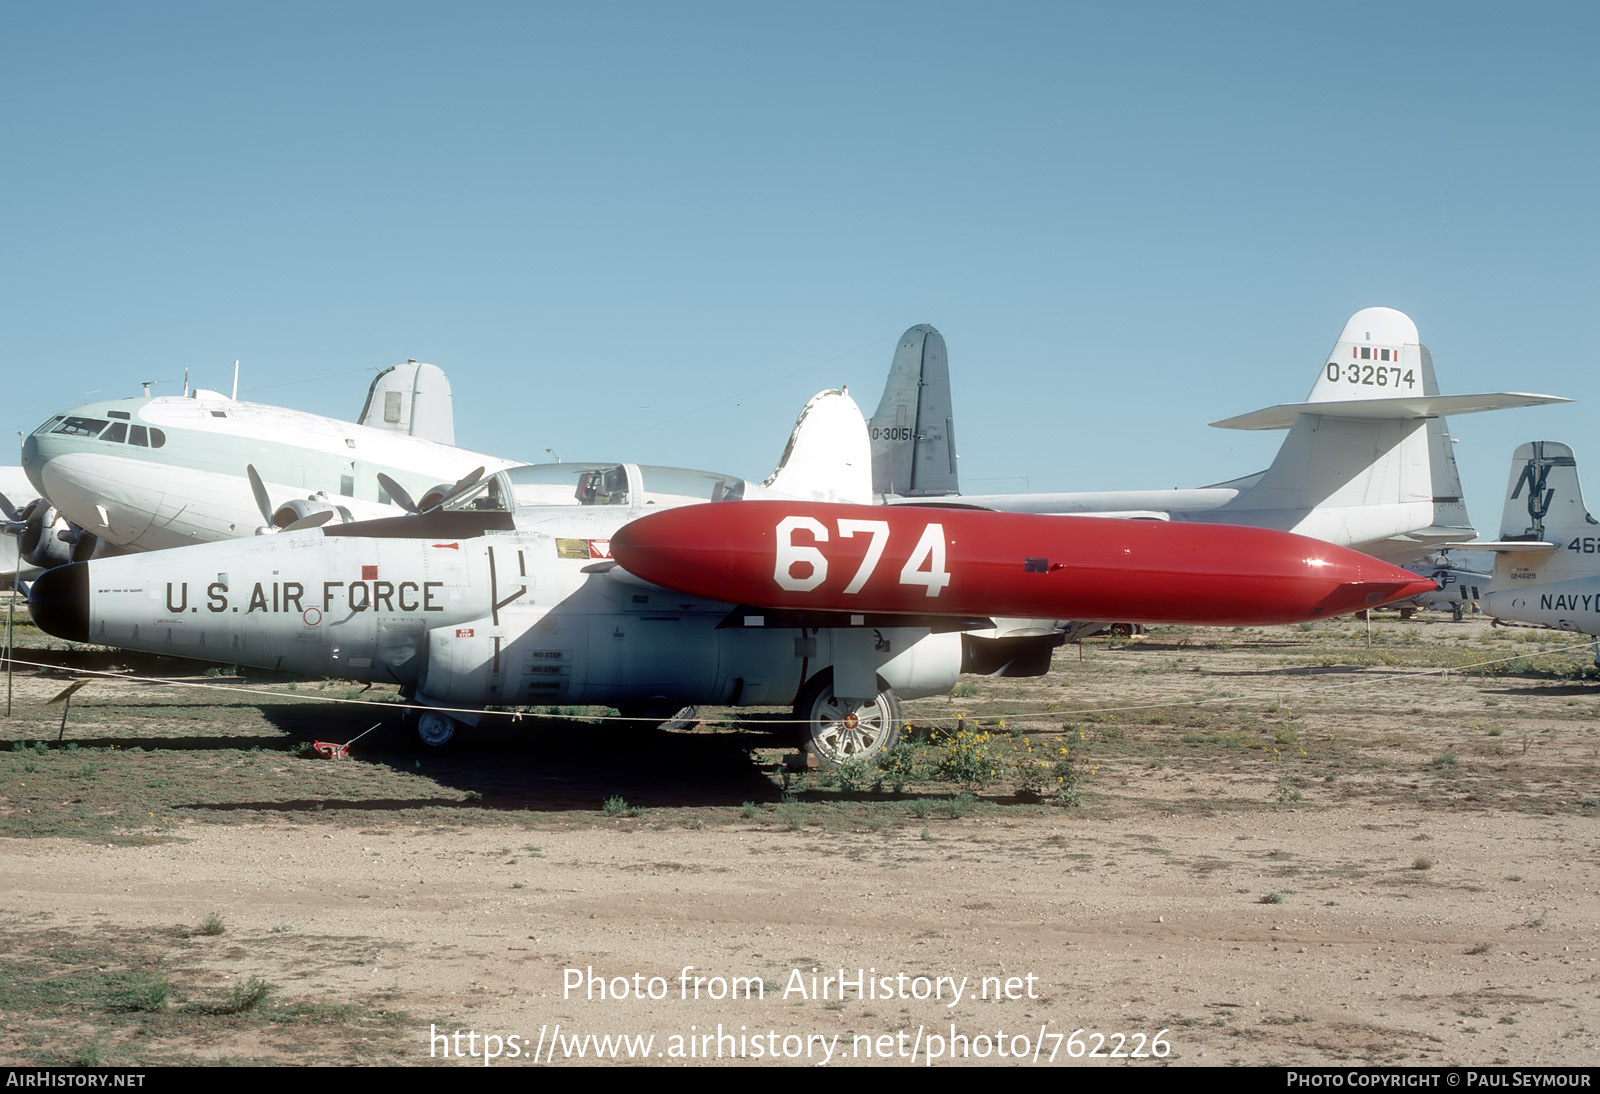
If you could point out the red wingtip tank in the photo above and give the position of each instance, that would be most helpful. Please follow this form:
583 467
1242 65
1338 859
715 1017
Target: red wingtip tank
958 562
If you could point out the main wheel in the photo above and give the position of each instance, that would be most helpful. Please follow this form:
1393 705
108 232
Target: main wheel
837 730
435 729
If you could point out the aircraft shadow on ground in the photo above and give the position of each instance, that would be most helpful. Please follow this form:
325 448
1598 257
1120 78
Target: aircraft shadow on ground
541 763
551 763
1582 689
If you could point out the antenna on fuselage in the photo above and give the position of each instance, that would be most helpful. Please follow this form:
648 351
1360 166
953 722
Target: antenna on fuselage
235 395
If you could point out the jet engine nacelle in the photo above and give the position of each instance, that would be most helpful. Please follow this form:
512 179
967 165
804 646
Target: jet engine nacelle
46 536
623 658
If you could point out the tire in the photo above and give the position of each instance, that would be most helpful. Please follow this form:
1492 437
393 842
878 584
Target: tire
837 731
433 729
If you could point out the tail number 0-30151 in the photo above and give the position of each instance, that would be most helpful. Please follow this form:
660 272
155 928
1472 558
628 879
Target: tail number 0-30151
925 567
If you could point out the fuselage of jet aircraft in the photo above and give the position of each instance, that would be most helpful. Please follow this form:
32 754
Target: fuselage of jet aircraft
511 594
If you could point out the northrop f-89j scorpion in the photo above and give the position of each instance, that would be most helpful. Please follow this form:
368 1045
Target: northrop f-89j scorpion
587 584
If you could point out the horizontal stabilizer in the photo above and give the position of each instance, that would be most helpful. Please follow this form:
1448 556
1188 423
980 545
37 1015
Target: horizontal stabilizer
1502 546
1283 415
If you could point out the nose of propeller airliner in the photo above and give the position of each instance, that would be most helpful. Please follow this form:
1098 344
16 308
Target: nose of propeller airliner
32 464
59 601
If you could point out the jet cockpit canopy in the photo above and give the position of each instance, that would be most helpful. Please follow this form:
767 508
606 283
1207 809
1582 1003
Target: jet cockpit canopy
612 484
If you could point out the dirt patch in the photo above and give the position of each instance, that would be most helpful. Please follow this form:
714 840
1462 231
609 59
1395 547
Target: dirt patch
1281 846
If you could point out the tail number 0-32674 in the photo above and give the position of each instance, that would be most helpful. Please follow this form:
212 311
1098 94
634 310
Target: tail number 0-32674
925 567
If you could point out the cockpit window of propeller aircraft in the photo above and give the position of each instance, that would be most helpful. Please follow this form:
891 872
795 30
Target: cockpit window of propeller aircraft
121 432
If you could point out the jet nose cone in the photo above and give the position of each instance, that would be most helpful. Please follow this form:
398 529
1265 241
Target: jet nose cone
1375 584
59 602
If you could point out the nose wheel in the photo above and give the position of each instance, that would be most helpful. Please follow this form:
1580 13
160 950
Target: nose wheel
433 729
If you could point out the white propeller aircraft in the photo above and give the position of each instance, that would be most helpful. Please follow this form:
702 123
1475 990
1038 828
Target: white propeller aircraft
1547 559
150 473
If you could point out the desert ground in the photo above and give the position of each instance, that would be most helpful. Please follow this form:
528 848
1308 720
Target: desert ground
1300 845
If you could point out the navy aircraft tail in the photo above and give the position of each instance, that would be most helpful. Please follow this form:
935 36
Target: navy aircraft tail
1544 499
1547 558
1545 529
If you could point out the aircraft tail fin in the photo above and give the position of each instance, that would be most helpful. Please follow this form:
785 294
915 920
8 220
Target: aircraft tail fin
1350 477
1544 500
1368 461
913 429
412 399
1545 529
828 457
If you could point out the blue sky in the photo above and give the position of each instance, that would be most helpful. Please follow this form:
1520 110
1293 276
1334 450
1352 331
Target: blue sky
651 231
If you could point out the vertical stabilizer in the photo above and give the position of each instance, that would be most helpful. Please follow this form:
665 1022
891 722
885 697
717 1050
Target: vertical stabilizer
1346 477
913 430
1544 500
828 457
412 399
1547 559
1378 356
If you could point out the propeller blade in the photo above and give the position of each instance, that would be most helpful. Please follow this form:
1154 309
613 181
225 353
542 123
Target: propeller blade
259 489
8 509
397 493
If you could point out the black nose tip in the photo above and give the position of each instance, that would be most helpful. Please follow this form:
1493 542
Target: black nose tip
59 602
